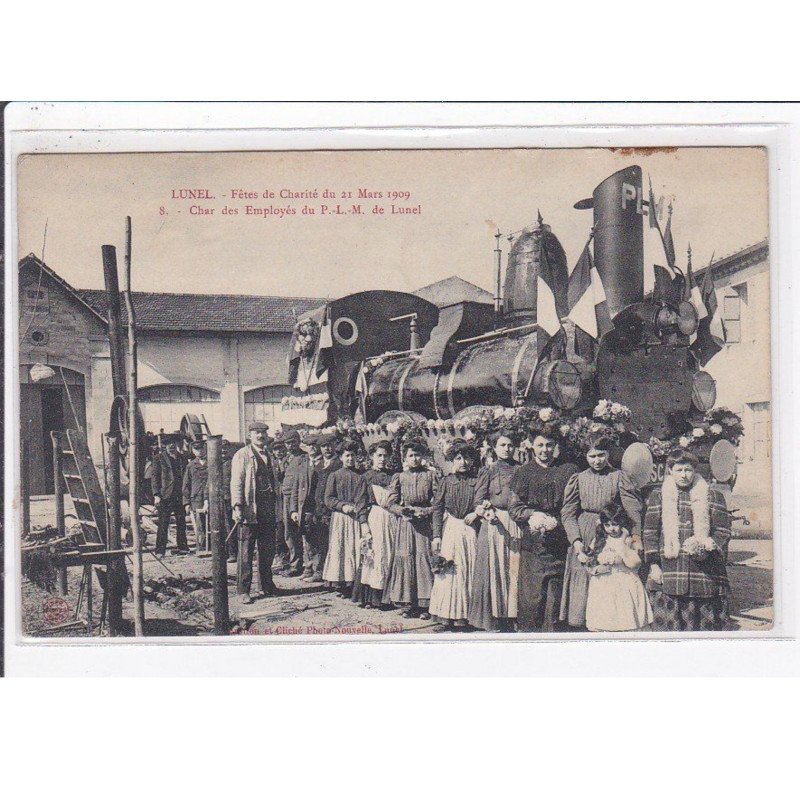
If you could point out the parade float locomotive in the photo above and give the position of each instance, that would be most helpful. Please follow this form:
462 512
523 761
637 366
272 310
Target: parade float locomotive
470 364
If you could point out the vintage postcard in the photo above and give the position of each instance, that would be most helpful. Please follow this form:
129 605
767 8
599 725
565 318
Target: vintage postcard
461 393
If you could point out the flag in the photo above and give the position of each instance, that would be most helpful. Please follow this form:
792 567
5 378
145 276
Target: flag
546 312
652 208
710 336
586 298
668 286
669 245
692 292
325 349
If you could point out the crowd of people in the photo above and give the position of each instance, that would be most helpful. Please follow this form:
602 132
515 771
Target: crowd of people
494 545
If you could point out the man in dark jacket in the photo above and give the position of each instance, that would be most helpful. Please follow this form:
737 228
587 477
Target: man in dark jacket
296 534
195 493
167 480
299 486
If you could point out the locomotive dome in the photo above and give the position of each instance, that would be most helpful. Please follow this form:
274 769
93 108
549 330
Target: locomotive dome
536 247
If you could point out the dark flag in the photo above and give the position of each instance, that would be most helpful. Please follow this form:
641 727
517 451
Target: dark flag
669 245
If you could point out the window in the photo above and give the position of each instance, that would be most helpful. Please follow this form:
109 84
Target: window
177 393
264 403
163 406
732 302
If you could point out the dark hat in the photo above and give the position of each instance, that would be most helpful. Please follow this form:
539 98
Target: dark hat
257 426
327 438
198 444
289 436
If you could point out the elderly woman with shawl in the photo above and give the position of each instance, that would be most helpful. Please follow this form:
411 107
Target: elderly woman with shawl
686 533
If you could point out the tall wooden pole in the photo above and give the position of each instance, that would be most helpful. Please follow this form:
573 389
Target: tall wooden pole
25 486
114 319
498 274
116 565
133 447
58 484
217 526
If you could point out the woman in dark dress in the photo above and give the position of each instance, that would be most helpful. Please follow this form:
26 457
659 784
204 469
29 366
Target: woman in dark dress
346 499
492 604
537 491
411 493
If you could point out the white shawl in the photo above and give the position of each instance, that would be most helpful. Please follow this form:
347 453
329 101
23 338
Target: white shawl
701 517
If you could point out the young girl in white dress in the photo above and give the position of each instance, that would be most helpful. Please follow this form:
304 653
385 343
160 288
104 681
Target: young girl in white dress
616 598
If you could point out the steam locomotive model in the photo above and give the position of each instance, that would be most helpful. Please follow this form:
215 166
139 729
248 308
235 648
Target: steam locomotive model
469 355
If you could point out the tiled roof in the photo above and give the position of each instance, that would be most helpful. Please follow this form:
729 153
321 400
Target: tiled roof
161 311
449 291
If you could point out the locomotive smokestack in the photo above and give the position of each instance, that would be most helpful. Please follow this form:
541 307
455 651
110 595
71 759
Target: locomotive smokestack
619 238
524 263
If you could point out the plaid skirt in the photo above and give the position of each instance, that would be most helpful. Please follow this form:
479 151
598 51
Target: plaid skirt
671 613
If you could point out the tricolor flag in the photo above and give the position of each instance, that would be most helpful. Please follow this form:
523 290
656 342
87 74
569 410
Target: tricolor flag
325 349
692 292
546 312
586 298
710 335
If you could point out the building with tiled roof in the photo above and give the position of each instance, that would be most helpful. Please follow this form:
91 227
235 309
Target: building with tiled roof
220 356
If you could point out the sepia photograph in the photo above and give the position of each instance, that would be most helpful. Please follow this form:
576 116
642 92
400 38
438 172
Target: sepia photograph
503 394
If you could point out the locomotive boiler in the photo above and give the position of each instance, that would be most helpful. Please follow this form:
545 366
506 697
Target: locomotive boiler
643 362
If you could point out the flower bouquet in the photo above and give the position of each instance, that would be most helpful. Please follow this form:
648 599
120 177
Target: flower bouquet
698 548
487 511
441 566
542 523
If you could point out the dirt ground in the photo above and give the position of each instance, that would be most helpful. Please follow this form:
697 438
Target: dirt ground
179 599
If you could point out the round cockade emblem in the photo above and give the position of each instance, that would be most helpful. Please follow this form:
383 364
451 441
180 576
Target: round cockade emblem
345 331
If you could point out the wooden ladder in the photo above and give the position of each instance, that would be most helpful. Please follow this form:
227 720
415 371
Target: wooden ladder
83 485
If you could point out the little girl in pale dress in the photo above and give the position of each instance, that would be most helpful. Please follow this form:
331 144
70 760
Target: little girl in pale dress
616 598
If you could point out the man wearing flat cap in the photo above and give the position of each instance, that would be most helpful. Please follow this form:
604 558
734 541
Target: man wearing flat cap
299 484
254 489
167 482
195 493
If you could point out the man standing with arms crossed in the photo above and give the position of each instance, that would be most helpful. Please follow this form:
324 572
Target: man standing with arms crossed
253 494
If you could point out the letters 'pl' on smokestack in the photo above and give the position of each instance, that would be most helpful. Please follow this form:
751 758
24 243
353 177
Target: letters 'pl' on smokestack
618 238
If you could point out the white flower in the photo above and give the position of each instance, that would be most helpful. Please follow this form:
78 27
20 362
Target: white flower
684 441
546 414
509 413
595 426
602 409
698 433
619 426
393 427
716 429
498 412
564 430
